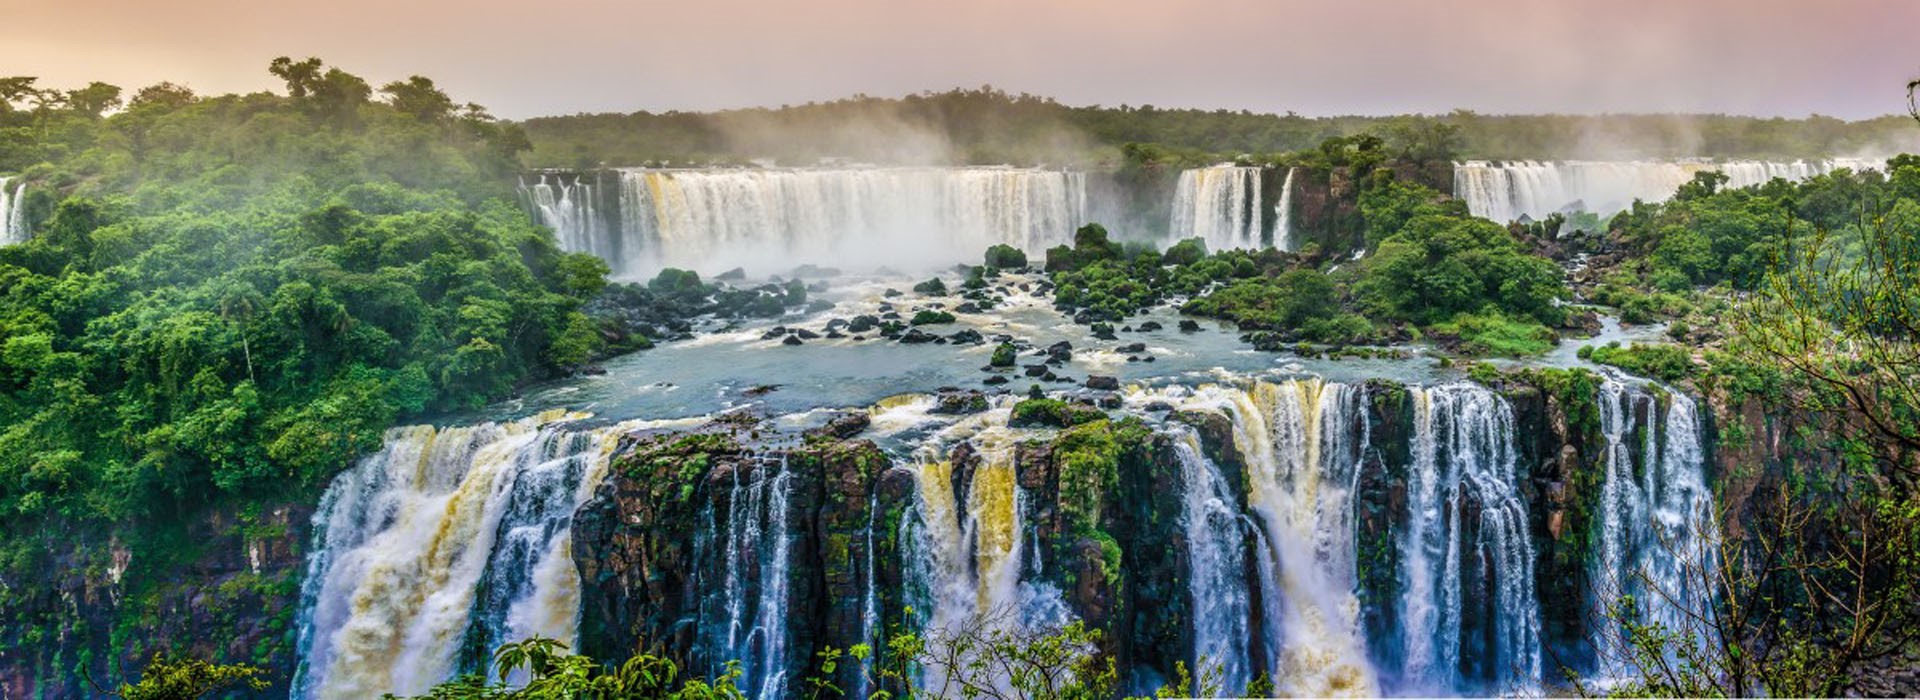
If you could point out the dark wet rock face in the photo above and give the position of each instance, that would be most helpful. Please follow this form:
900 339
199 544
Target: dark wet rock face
652 543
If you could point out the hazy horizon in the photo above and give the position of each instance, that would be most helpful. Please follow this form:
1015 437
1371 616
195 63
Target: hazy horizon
1765 58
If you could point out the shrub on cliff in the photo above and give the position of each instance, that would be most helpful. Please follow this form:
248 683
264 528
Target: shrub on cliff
1044 412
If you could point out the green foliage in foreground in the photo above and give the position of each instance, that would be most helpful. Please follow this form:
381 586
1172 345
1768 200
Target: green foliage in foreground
190 679
992 657
554 674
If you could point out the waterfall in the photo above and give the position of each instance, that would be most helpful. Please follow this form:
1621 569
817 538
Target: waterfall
1659 535
1467 560
975 546
1302 451
443 540
1510 190
968 556
572 208
1216 567
757 566
775 218
1283 215
1302 442
870 604
1220 205
13 212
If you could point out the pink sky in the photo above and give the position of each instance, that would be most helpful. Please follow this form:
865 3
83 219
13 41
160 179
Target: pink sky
1848 58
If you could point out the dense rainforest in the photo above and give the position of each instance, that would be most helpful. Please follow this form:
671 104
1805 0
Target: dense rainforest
229 297
228 300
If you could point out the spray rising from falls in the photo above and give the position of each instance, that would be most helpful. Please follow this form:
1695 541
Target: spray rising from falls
774 219
1507 191
443 541
13 212
1659 535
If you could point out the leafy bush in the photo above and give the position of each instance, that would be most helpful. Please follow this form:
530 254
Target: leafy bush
1186 252
1495 334
1670 363
1437 267
1291 300
933 287
1038 412
929 317
1005 257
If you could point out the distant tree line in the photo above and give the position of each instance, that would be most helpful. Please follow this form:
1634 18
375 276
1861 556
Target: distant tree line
986 125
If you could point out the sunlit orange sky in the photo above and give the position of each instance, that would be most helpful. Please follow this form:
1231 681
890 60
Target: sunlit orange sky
1847 58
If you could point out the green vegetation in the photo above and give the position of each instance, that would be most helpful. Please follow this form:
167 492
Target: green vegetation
1003 355
1301 300
1006 257
1033 412
1492 334
932 287
1709 236
928 317
554 674
239 294
1436 265
1467 281
1669 363
168 678
225 301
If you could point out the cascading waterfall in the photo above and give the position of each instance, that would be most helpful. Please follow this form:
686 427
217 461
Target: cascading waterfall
1507 191
775 218
1659 535
570 207
454 540
1283 215
975 547
1467 520
13 212
1302 454
443 540
1216 567
870 603
751 621
1220 205
969 557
